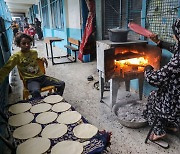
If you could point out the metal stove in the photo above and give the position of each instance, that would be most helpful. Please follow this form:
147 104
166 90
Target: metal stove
114 66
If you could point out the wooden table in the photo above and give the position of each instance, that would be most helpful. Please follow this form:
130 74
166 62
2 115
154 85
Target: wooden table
50 40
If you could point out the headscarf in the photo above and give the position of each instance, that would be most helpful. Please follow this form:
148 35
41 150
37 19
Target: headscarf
176 31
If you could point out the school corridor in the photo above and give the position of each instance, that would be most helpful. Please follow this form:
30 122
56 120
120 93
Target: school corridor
81 30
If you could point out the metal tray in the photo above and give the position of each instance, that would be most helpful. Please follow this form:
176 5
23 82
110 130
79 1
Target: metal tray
126 123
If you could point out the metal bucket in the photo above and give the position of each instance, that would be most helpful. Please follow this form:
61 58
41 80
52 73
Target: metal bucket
126 123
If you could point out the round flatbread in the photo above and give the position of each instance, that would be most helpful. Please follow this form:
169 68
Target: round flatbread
21 119
27 131
85 131
46 117
69 117
40 108
52 99
36 145
19 108
54 131
61 107
67 147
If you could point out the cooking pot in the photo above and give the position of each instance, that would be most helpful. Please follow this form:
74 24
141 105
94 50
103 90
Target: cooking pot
118 35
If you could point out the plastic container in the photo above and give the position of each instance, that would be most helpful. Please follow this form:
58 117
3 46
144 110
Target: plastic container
86 58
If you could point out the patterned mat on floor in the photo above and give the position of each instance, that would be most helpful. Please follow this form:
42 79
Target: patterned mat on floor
98 144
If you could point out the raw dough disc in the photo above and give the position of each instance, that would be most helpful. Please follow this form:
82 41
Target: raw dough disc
46 117
20 108
85 131
27 131
52 99
40 108
69 117
21 119
36 145
61 107
67 147
54 131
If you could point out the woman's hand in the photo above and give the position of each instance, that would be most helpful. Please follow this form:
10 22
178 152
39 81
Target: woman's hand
174 37
154 38
148 68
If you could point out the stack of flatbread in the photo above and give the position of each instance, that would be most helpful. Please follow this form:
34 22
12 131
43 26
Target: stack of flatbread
53 99
55 115
19 108
37 145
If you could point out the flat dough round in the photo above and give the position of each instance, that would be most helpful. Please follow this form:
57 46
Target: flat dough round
85 131
67 147
36 145
19 108
52 99
40 108
69 117
21 119
46 117
54 131
61 107
27 131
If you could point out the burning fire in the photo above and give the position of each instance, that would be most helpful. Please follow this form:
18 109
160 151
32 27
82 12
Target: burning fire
141 62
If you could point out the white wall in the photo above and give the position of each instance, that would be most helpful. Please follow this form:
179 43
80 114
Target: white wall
73 14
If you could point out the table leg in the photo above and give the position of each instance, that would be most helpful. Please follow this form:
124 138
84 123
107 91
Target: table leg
47 50
52 53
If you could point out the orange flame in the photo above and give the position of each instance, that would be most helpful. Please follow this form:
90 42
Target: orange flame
133 61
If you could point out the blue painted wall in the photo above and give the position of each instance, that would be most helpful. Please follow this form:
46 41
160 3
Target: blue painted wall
69 30
4 56
75 33
64 34
56 33
48 32
166 55
4 52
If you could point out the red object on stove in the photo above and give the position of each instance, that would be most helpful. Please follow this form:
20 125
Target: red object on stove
140 30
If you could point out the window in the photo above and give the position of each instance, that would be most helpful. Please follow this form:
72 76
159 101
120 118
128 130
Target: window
118 13
45 13
160 17
111 18
57 14
134 11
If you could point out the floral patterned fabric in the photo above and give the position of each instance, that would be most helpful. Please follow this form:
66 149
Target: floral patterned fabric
98 144
165 101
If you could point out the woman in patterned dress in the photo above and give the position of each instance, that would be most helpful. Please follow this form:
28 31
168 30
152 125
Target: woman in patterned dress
165 101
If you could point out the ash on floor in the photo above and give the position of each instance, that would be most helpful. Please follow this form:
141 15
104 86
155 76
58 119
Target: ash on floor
132 111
